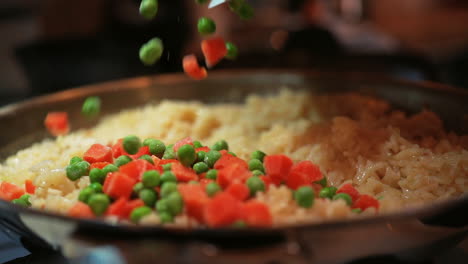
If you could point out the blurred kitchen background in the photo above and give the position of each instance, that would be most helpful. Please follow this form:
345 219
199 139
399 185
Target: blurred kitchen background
51 45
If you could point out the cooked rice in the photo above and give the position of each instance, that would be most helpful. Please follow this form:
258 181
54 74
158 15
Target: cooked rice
405 160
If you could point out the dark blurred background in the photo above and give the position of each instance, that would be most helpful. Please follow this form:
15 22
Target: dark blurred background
51 45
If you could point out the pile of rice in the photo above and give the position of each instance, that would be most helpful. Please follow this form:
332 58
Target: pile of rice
404 160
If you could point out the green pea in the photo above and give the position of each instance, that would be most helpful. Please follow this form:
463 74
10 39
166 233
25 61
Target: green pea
231 51
151 179
257 173
220 145
356 210
147 158
138 213
212 174
187 155
239 224
149 8
258 154
200 167
168 176
201 2
212 188
148 196
110 168
345 197
166 217
304 196
131 144
91 106
197 144
21 202
97 175
85 194
138 187
97 187
161 206
232 154
206 26
328 192
156 147
246 11
201 156
211 157
98 203
168 188
175 203
255 185
255 164
167 167
122 160
322 182
169 153
150 52
75 160
77 170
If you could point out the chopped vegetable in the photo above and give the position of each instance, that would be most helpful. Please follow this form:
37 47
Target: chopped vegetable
277 167
136 168
206 26
231 51
322 182
303 173
131 144
22 201
57 123
91 106
257 214
195 199
345 197
151 51
214 50
235 172
304 196
98 203
138 213
182 173
365 201
118 184
238 190
149 8
29 186
98 153
350 190
223 210
81 210
192 68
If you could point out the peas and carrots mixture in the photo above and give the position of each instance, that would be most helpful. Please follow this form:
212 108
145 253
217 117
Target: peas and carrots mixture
133 178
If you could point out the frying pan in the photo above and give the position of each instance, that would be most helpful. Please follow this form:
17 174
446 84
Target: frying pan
415 233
